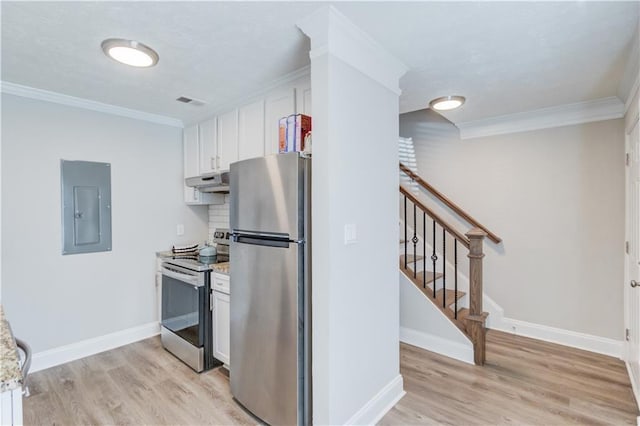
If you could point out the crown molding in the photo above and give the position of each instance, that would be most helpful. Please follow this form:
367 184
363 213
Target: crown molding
632 93
333 33
72 101
545 118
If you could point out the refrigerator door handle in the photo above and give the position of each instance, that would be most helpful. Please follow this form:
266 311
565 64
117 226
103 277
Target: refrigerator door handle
260 240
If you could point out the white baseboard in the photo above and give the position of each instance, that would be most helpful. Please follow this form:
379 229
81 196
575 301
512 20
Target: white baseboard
633 377
63 354
437 344
574 339
380 404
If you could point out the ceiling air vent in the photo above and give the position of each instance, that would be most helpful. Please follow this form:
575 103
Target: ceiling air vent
191 101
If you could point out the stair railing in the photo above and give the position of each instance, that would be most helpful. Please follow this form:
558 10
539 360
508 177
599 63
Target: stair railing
446 201
473 323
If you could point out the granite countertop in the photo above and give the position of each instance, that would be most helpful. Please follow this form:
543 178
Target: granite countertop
10 373
221 268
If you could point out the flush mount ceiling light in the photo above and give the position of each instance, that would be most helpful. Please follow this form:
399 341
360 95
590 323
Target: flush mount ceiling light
447 103
130 52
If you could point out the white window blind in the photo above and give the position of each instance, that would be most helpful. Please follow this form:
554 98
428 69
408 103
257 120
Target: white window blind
407 156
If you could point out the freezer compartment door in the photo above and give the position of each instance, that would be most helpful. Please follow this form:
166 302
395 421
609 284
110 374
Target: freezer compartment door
268 194
267 330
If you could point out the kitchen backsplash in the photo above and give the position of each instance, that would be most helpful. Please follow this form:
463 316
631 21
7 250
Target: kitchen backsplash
218 216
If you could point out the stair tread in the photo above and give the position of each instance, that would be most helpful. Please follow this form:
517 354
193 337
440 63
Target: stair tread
430 276
450 296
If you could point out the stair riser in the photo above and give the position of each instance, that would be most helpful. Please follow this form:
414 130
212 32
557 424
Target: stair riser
463 302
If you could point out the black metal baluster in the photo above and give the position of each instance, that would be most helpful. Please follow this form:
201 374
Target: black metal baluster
414 240
434 258
424 250
405 232
455 267
444 268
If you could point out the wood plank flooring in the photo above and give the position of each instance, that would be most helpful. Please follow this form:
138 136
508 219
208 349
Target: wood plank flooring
525 381
137 384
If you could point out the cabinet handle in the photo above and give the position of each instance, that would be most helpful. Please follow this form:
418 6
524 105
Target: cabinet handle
218 161
213 165
195 194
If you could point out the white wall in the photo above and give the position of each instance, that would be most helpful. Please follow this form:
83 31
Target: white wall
354 287
53 300
358 321
556 197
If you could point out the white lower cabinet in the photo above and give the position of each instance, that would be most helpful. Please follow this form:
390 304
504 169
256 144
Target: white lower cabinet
11 407
222 326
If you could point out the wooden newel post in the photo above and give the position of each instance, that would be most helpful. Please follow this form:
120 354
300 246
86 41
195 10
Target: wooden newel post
476 318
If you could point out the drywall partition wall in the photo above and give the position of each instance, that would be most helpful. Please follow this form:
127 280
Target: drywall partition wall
556 198
54 300
355 284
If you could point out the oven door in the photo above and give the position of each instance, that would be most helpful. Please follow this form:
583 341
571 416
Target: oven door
183 303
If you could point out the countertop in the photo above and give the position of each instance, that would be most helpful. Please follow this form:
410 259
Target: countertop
221 268
10 373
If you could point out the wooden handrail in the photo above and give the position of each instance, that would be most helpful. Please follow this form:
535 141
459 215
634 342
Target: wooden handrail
459 236
440 196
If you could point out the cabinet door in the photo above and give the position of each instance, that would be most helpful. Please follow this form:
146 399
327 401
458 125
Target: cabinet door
208 138
191 195
227 139
303 100
278 105
221 337
191 151
251 131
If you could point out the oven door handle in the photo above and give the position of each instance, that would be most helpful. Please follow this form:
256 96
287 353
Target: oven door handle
180 276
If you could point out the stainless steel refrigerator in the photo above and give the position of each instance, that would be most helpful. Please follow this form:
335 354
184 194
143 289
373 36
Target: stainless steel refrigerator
270 355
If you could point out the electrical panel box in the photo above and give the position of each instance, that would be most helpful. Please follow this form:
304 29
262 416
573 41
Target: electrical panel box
86 206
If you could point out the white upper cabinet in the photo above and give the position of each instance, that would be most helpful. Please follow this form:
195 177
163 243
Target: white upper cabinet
191 151
251 131
303 97
278 105
208 145
227 139
246 132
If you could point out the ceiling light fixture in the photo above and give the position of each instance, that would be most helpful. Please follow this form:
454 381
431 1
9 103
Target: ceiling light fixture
447 103
130 52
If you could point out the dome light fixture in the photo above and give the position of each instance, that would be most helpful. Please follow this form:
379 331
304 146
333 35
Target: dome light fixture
447 103
130 52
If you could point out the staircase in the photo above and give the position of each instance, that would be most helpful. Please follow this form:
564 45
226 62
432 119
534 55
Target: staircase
430 259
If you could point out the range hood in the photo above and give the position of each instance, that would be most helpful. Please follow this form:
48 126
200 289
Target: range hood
210 182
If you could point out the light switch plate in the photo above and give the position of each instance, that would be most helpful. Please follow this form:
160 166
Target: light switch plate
350 234
180 229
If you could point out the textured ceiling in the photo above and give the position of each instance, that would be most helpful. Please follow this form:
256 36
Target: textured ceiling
504 57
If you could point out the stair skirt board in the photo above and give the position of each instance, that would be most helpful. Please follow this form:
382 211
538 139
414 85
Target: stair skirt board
423 324
437 344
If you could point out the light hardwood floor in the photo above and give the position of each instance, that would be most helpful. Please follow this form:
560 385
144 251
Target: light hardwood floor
525 381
